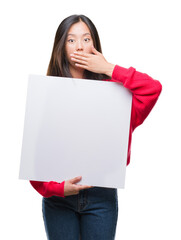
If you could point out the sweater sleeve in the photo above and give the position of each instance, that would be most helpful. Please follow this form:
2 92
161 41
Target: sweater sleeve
145 91
49 189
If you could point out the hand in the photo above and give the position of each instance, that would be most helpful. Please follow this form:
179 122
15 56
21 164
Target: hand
94 62
70 188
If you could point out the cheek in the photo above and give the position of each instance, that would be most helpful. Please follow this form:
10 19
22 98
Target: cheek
88 48
68 51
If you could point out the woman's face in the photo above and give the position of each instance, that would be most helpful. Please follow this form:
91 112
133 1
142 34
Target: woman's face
78 39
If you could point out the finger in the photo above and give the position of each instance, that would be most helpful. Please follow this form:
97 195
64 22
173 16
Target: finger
81 66
76 179
78 57
94 50
82 54
83 187
79 61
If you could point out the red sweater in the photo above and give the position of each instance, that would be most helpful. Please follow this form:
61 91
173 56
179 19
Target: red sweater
145 92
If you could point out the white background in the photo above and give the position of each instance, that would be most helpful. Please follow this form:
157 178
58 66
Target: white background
139 33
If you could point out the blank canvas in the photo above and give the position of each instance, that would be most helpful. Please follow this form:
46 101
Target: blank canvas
76 127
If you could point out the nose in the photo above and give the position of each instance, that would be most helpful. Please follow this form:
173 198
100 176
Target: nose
79 46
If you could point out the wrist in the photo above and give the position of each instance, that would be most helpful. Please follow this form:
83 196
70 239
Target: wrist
109 69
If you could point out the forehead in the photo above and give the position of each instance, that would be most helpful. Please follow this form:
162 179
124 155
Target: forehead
79 28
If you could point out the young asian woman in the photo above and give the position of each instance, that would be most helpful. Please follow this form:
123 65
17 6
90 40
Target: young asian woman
71 210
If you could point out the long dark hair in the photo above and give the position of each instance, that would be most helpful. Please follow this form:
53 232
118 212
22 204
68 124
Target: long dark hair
59 65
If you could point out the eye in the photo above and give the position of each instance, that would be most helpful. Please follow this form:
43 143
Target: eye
87 39
71 40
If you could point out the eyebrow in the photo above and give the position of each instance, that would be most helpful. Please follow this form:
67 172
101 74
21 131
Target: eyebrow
71 34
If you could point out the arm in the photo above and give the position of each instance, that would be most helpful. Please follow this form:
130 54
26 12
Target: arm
145 91
49 189
66 188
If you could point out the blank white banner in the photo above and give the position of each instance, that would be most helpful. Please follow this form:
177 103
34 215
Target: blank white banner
76 127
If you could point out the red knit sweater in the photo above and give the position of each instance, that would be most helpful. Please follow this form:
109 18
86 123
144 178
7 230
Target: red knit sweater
145 92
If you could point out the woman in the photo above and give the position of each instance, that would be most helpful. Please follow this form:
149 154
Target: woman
70 210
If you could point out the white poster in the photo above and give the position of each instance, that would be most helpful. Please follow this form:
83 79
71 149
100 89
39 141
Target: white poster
76 127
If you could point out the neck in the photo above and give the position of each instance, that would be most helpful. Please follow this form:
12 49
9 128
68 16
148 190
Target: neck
76 73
